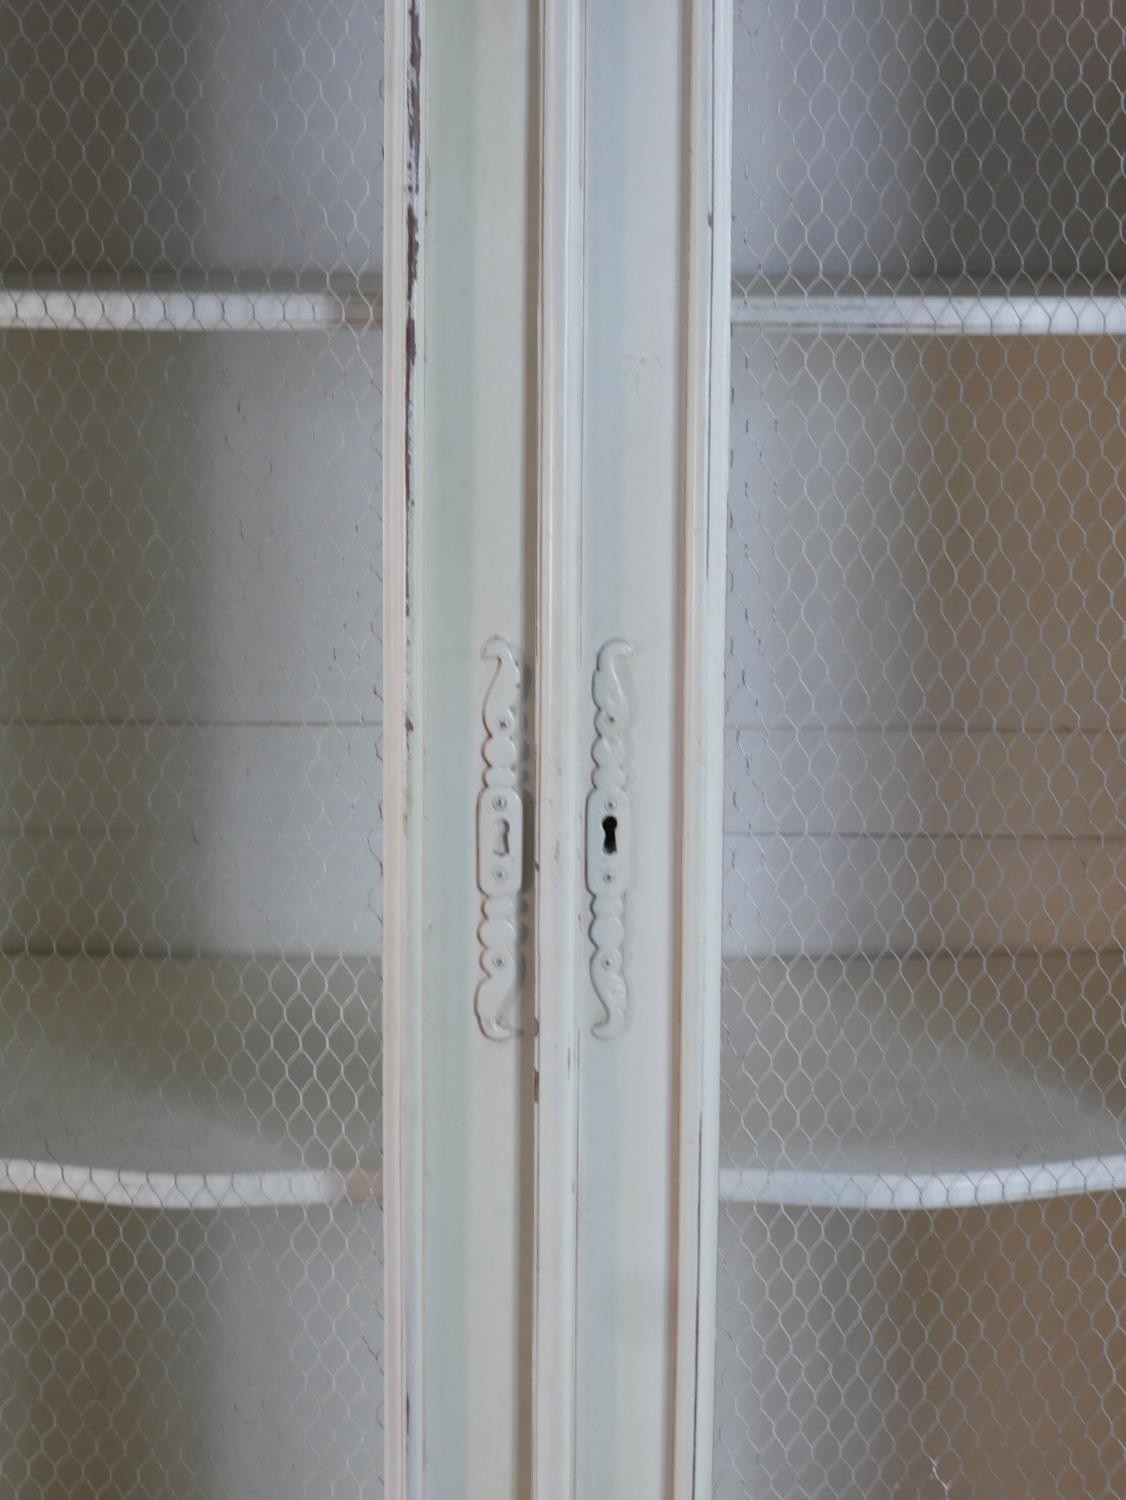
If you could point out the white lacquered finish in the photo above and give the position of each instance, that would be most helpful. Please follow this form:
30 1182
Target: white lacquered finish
954 311
147 307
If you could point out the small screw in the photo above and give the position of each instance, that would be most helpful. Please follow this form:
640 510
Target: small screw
498 874
498 803
499 961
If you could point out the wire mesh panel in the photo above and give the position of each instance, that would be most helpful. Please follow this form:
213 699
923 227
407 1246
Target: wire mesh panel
190 358
923 1227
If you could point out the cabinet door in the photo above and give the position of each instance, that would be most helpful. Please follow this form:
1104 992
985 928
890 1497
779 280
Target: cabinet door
922 1154
191 715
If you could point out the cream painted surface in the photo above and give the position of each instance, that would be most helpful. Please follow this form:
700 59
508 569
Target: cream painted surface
468 558
633 497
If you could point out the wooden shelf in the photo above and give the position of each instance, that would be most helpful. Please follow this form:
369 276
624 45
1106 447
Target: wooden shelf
196 1084
923 1083
957 310
149 307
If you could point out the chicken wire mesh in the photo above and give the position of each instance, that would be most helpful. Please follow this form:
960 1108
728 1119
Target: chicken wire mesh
922 1237
190 373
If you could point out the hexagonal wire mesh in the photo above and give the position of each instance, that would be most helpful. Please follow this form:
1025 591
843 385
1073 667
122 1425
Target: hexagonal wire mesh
922 1247
190 373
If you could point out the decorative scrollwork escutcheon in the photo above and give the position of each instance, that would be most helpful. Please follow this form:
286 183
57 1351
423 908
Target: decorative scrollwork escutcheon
500 844
608 841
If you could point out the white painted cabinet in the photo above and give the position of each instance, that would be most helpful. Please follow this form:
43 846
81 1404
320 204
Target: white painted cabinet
560 745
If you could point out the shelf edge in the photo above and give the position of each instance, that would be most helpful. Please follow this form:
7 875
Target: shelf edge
151 310
187 1191
943 314
902 1192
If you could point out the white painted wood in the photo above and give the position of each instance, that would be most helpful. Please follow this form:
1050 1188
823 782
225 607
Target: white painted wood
905 1193
892 1082
405 1410
105 1102
952 312
656 463
460 547
152 308
704 590
559 763
188 1192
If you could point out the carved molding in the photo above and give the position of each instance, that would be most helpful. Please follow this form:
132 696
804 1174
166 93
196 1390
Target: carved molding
608 840
500 841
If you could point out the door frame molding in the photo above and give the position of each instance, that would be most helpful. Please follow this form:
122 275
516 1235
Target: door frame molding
404 220
558 762
706 446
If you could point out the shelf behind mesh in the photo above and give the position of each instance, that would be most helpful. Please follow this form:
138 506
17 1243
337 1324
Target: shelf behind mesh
956 309
923 1082
148 306
190 1084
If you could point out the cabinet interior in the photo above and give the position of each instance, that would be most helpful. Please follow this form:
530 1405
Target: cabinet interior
923 1130
190 737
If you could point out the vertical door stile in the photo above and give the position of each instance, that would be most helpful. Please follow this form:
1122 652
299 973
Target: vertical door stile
558 654
404 221
462 258
655 460
703 591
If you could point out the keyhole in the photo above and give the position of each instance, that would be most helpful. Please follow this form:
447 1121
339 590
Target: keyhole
610 835
501 831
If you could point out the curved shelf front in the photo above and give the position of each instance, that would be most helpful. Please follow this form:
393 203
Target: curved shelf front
923 1082
904 1193
190 1084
